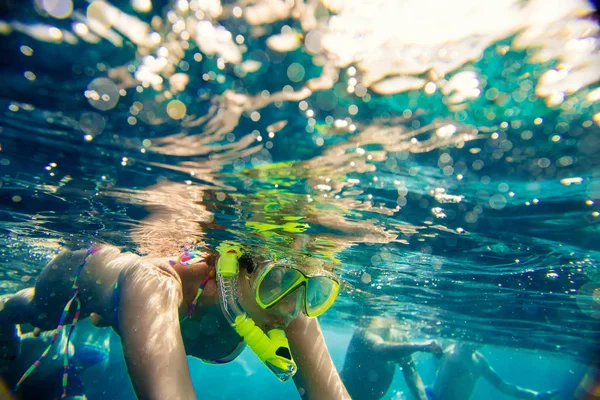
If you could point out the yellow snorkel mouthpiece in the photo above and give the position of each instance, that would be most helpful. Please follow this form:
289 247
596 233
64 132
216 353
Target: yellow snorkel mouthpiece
229 254
272 349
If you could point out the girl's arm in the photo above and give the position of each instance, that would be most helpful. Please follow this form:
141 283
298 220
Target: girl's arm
317 377
149 328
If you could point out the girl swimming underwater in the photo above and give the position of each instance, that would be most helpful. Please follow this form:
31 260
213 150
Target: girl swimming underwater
206 305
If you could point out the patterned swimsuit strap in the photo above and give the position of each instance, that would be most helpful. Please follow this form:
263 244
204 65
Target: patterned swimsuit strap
63 317
190 257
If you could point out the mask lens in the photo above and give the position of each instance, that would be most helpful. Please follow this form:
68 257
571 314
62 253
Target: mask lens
320 295
277 281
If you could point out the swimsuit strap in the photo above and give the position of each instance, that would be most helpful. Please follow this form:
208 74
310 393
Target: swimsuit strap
192 306
187 258
63 317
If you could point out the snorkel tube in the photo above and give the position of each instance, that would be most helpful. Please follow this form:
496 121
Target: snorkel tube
272 348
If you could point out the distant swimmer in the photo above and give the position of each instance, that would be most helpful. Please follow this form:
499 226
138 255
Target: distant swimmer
460 369
374 352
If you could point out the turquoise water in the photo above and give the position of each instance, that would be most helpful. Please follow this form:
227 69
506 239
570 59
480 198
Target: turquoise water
526 368
445 154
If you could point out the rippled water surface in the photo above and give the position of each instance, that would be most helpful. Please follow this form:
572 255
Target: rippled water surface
445 152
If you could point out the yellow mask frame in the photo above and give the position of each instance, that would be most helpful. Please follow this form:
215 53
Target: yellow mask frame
322 278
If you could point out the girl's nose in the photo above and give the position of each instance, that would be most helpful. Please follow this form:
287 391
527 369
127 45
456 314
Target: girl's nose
289 306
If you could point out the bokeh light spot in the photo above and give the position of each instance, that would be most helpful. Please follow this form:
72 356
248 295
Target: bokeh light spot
176 109
60 9
102 94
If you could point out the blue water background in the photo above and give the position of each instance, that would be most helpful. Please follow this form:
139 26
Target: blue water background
246 377
507 273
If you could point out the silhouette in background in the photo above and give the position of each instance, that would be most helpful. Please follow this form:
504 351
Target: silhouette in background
460 369
375 350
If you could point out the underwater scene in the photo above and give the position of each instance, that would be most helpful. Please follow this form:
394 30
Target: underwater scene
312 199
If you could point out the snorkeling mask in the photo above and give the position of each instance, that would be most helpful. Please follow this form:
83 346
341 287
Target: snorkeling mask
273 348
277 280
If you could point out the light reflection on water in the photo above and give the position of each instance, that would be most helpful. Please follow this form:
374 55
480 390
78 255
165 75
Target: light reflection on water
444 152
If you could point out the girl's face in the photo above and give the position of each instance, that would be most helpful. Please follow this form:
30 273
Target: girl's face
278 316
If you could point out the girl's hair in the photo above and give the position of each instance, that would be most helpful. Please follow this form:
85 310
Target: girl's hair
211 257
246 262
